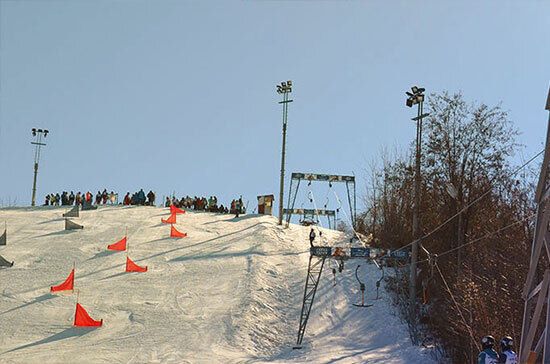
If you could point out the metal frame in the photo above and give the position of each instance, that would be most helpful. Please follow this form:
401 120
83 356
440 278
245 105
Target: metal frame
315 212
317 258
330 178
314 270
536 296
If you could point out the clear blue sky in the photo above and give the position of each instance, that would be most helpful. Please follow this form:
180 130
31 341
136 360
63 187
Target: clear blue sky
180 95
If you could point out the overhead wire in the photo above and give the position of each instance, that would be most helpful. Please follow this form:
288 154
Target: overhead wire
468 205
456 305
482 238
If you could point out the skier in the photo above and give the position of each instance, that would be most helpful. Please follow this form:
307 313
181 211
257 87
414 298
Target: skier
71 198
488 355
98 198
507 355
311 237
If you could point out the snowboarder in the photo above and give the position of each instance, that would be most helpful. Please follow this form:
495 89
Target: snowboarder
488 355
311 237
507 354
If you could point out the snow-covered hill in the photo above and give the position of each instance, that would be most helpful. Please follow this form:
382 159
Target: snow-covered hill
230 292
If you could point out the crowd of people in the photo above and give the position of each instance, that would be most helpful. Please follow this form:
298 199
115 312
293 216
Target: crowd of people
210 205
490 356
139 198
100 198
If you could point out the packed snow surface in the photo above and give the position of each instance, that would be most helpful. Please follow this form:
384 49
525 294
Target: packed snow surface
230 292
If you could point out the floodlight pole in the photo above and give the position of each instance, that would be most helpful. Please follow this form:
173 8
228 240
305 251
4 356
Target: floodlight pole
37 145
416 98
285 88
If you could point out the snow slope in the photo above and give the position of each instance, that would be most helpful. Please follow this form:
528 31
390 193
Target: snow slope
230 292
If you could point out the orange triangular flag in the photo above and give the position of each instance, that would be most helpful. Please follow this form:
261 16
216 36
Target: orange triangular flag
174 233
176 210
119 245
68 285
81 318
170 220
133 267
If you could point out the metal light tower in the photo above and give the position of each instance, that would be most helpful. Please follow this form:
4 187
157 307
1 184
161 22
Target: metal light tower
416 97
284 89
37 134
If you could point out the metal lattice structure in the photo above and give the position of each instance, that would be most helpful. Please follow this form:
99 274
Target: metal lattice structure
313 213
535 336
317 258
314 270
296 178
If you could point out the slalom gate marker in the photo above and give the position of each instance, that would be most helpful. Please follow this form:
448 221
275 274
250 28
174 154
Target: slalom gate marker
174 233
70 225
170 220
68 285
175 210
119 245
5 263
72 212
4 237
82 319
133 267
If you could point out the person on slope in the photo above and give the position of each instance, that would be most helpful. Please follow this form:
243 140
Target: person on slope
151 198
127 200
237 208
488 355
507 354
141 197
311 237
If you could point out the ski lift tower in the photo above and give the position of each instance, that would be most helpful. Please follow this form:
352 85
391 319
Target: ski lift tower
536 325
296 178
317 258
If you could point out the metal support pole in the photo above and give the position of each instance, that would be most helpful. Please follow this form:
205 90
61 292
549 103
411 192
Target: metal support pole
37 144
33 201
416 214
284 89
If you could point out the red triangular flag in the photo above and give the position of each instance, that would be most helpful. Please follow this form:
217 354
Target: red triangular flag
133 267
81 318
175 233
175 210
119 245
68 285
170 220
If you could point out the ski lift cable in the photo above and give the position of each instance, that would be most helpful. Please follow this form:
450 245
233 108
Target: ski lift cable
482 238
468 205
456 305
316 213
348 218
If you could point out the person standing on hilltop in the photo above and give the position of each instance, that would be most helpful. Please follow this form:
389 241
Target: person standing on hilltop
311 237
